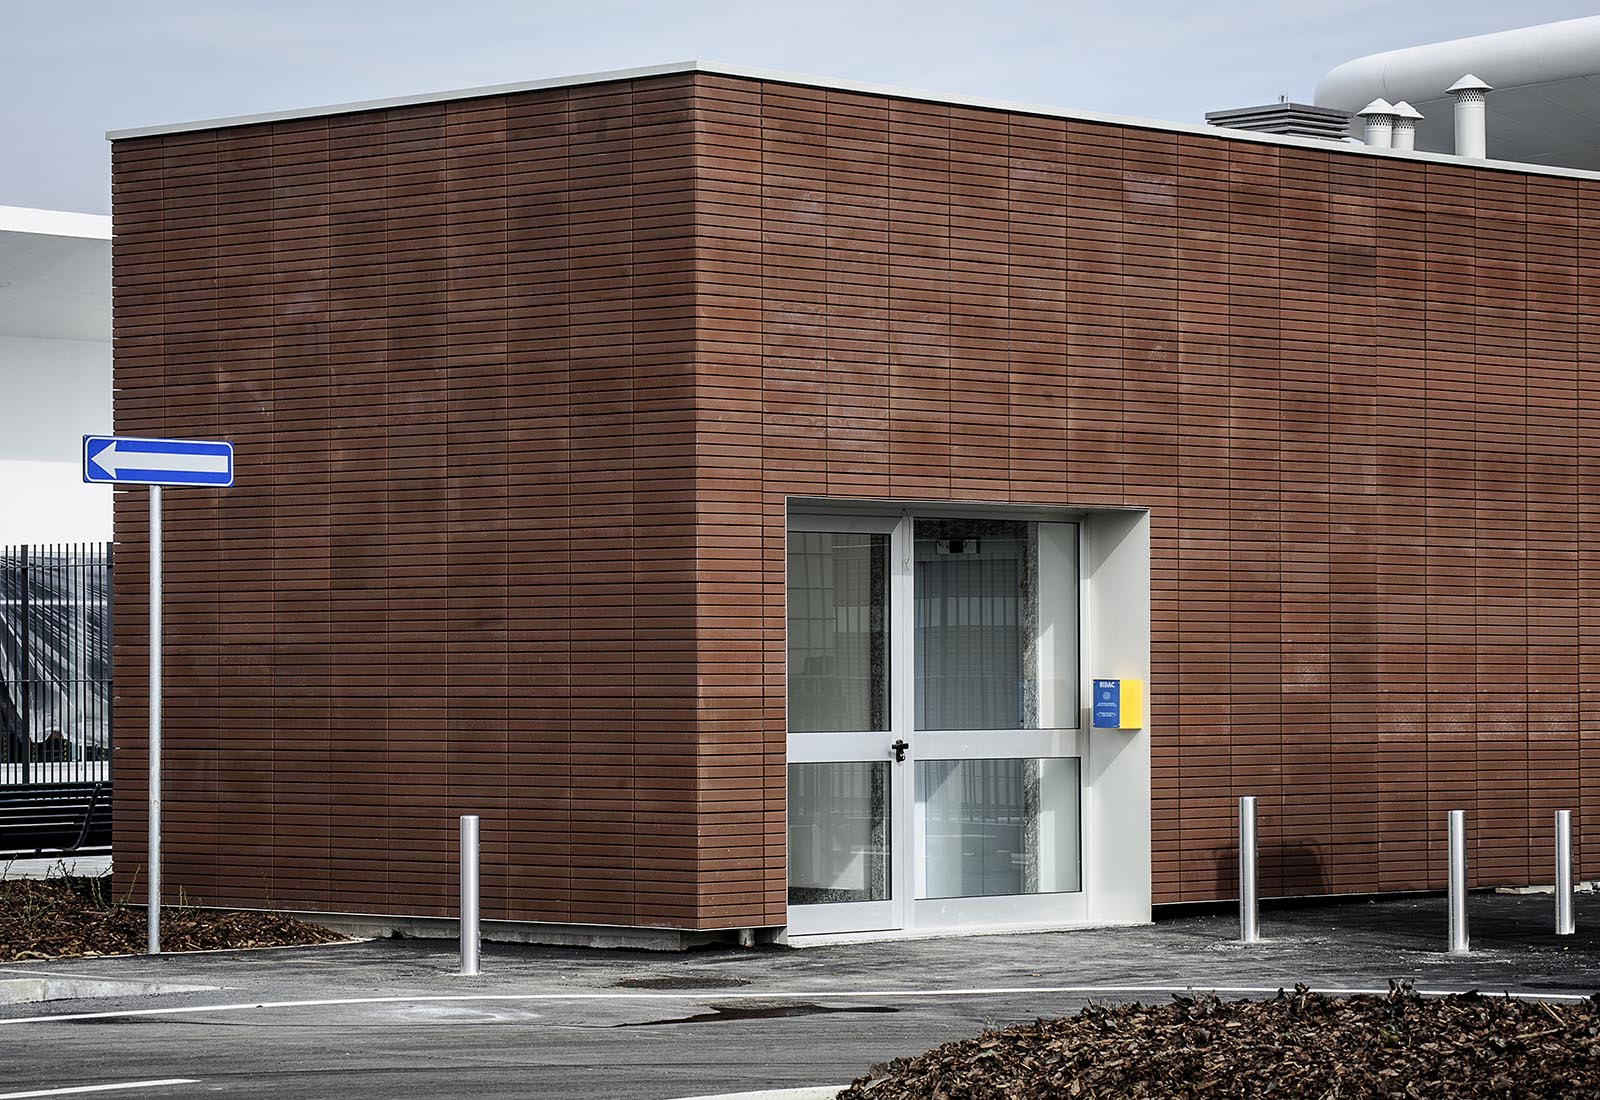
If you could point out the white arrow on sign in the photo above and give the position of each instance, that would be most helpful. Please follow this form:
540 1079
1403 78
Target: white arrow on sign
113 462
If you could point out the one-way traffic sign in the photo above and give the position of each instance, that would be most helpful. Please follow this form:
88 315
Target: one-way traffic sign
127 460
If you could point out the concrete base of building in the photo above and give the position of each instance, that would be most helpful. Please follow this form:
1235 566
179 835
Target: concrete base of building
371 926
829 939
1590 887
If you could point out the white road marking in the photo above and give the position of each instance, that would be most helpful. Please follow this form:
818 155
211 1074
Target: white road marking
705 997
77 1090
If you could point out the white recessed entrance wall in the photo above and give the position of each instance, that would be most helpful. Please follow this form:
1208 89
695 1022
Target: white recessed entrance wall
943 769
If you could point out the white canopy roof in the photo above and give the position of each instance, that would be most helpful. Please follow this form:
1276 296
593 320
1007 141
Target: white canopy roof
55 274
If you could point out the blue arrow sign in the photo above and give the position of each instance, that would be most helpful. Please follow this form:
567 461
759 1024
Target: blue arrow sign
126 460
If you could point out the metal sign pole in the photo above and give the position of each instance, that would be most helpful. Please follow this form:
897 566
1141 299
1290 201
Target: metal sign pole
153 874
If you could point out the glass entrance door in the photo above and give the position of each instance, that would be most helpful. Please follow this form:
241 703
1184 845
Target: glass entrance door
847 793
933 710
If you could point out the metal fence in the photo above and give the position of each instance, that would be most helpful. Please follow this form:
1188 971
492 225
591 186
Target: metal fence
55 663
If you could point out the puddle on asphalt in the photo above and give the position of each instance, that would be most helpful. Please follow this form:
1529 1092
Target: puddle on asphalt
684 981
722 1013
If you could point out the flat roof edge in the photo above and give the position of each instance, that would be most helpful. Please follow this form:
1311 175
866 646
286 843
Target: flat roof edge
890 91
55 223
410 100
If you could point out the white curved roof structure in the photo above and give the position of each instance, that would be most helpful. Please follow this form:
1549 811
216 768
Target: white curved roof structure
1545 106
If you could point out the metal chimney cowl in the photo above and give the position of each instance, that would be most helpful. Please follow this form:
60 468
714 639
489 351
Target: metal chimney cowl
1379 116
1471 137
1405 126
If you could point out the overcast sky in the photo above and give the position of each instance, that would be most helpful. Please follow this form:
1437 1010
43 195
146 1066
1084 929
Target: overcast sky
72 69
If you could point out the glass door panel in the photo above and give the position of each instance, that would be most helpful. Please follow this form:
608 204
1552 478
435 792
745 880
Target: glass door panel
839 833
838 632
997 827
996 625
970 602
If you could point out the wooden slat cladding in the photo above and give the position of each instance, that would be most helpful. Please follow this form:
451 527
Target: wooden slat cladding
1349 390
520 384
451 344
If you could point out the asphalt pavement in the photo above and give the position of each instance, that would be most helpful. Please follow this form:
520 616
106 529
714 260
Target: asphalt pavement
391 1018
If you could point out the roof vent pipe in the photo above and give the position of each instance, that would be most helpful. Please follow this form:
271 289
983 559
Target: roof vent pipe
1405 125
1471 140
1379 116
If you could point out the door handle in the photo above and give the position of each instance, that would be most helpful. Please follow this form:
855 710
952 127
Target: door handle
900 748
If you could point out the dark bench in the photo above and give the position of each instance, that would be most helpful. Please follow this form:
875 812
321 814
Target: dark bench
43 819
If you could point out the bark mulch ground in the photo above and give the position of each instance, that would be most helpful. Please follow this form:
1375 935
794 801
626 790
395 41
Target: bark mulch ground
62 918
1299 1045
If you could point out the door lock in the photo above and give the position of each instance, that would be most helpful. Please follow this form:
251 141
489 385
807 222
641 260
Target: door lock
900 748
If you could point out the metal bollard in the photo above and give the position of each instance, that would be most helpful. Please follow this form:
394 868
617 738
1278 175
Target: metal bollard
469 894
1565 925
1249 923
1458 882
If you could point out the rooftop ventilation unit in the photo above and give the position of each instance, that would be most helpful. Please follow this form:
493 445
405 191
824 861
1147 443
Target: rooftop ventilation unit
1471 139
1294 119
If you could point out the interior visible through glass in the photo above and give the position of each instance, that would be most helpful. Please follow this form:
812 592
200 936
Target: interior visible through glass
838 632
838 832
994 827
971 595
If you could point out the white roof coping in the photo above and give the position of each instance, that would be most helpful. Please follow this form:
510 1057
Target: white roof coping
54 223
436 97
779 77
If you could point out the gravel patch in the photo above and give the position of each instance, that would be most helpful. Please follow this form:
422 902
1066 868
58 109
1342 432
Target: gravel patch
1300 1044
64 918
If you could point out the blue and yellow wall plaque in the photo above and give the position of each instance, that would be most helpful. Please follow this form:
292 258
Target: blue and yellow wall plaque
1118 704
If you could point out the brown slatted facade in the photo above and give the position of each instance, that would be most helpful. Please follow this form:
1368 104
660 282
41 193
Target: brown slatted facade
520 386
451 344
